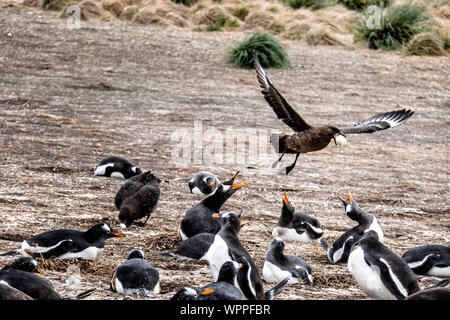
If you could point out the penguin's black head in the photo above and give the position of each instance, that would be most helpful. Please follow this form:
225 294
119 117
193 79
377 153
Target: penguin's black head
228 271
186 293
287 205
136 254
24 264
203 182
230 220
101 231
352 209
370 235
228 187
149 178
125 217
277 244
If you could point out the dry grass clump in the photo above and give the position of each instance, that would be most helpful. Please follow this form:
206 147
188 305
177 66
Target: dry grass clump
164 13
259 18
321 35
426 44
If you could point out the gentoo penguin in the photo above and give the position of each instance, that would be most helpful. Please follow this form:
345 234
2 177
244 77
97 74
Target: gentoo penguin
341 247
381 273
278 266
222 289
248 278
307 138
203 182
135 276
116 167
21 275
9 293
137 198
431 294
296 226
432 260
76 244
199 218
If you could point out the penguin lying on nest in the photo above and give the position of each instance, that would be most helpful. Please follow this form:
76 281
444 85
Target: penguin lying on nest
432 260
21 275
116 167
382 274
67 243
135 276
222 289
296 226
278 266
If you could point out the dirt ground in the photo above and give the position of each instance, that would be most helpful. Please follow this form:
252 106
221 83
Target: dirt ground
69 98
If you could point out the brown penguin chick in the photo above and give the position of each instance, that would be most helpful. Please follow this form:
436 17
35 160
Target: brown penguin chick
131 186
141 203
308 138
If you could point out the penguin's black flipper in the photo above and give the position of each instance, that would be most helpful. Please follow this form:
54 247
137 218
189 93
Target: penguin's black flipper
9 253
440 284
429 263
383 270
81 295
327 248
272 293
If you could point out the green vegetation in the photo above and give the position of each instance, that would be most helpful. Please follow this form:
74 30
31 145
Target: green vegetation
241 13
396 26
270 52
360 5
312 4
221 22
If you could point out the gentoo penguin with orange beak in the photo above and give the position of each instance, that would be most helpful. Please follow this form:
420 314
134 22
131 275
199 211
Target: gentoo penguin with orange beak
199 218
68 243
296 226
204 183
341 247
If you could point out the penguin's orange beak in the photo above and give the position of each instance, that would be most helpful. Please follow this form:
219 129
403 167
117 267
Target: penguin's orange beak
207 291
40 271
285 199
349 197
216 215
243 223
118 234
237 186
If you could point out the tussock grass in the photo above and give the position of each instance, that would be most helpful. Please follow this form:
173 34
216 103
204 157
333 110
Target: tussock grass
312 4
426 44
360 5
270 52
398 24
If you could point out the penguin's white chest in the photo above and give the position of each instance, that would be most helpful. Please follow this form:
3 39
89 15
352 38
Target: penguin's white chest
274 274
367 277
90 253
217 255
289 234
